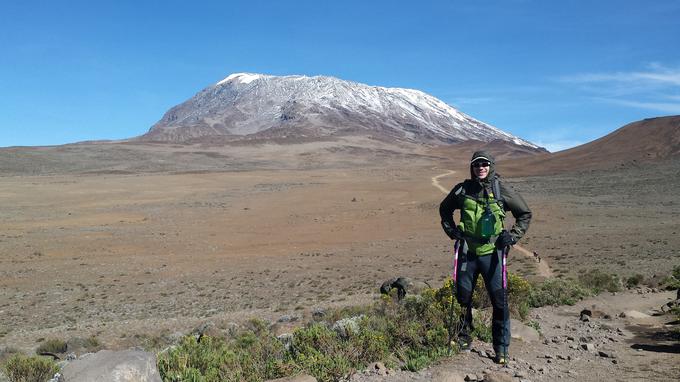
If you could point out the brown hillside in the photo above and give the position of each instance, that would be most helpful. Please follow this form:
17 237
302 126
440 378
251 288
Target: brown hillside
647 140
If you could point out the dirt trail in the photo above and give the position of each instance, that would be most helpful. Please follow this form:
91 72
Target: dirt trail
542 267
624 339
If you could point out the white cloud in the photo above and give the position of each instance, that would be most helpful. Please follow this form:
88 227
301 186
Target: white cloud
653 89
664 107
558 145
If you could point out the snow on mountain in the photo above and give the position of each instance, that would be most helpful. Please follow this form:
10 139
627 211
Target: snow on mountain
249 104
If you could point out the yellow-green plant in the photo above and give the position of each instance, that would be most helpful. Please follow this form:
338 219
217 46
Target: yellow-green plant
20 368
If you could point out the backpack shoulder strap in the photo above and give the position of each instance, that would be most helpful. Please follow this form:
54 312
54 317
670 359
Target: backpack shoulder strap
496 189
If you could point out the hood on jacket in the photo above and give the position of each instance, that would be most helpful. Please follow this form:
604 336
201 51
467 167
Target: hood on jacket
483 155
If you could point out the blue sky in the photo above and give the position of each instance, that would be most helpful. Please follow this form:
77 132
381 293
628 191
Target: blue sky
558 73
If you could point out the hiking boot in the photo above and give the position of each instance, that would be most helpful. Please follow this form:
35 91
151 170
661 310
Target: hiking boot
501 358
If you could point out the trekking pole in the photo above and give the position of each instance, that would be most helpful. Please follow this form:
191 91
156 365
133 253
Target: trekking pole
454 276
506 308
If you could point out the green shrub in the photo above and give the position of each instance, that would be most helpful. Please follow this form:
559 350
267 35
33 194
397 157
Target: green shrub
518 292
251 356
53 345
556 292
634 280
673 280
598 281
20 368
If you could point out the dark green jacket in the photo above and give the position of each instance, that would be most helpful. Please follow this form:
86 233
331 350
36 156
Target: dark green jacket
473 187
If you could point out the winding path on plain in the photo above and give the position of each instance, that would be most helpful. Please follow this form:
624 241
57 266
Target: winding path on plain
542 267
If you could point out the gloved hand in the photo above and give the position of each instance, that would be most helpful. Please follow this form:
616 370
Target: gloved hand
505 239
452 231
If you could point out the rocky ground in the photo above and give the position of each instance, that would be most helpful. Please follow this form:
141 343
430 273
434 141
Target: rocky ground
136 253
625 338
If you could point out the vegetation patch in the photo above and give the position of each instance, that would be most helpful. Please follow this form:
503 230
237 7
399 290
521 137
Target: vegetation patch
409 334
599 281
673 280
20 368
52 345
557 292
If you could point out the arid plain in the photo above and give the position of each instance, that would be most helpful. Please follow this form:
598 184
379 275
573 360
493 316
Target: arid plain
130 242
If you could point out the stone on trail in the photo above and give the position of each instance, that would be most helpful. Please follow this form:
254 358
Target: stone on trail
524 333
635 314
447 376
113 366
588 347
498 377
297 378
378 368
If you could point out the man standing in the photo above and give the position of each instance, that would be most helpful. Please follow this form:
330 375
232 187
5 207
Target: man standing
482 201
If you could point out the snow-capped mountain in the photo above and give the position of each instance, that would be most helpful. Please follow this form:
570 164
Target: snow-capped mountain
256 105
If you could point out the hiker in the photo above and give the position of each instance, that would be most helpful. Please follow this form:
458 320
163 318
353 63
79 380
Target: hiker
483 239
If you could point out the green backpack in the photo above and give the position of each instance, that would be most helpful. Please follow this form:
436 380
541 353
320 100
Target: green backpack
481 219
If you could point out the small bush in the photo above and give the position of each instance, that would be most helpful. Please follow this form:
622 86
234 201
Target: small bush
634 280
52 345
556 292
598 281
673 280
20 368
518 292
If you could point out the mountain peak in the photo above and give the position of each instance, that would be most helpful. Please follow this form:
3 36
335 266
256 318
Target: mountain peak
264 106
244 78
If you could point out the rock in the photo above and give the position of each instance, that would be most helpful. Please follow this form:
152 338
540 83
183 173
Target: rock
471 377
286 339
520 374
113 366
447 376
586 313
636 314
318 313
677 295
588 347
347 326
287 318
404 286
206 329
584 318
378 368
498 377
297 378
524 333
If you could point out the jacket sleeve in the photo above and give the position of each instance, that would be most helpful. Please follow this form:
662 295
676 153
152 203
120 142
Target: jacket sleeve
450 203
520 210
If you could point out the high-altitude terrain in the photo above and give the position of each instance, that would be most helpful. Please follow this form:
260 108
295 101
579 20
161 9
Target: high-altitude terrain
132 242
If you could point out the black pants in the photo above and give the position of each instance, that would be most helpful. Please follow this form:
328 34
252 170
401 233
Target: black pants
490 267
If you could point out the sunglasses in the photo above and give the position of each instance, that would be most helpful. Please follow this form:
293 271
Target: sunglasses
481 164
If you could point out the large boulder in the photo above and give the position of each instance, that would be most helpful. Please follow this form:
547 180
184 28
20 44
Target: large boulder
113 366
